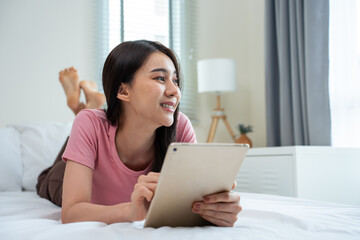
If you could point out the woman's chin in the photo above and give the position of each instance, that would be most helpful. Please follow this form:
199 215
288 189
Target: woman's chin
169 122
168 125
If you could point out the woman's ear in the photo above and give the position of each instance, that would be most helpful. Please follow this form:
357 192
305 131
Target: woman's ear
123 93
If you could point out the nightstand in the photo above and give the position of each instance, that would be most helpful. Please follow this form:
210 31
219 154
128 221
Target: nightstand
317 173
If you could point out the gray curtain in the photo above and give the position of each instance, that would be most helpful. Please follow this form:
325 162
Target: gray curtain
297 63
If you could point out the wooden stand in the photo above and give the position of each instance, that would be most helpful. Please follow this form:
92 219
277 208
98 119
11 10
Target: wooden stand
218 113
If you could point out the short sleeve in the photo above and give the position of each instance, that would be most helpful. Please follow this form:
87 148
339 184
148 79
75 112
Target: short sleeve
185 130
82 144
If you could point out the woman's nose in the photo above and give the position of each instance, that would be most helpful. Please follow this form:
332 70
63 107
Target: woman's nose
172 89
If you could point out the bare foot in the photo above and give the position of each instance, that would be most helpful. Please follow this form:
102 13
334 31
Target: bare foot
94 99
69 79
81 107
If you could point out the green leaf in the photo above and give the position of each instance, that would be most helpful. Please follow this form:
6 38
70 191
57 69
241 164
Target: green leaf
244 129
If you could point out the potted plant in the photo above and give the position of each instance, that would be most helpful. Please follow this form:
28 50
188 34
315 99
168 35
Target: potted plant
243 138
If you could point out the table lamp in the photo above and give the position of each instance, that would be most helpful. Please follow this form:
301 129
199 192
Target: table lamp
217 75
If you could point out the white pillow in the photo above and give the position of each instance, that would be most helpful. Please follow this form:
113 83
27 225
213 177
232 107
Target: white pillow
40 144
10 160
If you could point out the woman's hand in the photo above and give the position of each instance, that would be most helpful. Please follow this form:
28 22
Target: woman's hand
142 195
221 209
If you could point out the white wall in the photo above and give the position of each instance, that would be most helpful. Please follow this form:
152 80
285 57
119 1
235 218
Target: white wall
39 38
235 29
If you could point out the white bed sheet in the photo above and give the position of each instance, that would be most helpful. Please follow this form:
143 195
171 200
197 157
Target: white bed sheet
24 215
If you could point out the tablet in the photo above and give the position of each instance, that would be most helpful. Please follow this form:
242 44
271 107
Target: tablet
190 172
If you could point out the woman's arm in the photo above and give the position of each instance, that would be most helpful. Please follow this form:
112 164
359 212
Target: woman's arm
77 206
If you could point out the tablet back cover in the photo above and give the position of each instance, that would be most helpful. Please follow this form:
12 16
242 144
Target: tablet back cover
190 172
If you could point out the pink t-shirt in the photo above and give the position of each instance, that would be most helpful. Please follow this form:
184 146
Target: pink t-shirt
92 143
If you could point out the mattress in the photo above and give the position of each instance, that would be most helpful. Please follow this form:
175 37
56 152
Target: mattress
24 215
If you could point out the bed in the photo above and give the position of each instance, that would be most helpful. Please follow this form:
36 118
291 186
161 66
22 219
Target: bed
24 215
26 149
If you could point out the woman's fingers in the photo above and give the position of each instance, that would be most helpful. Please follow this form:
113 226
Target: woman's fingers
142 195
219 207
146 185
218 222
222 197
219 218
223 216
153 174
151 177
144 190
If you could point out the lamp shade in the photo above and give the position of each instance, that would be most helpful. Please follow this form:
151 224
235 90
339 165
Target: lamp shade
216 75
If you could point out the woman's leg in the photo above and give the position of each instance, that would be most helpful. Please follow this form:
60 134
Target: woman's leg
94 99
50 180
69 80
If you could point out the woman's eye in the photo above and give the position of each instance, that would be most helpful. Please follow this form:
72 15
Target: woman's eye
176 81
160 78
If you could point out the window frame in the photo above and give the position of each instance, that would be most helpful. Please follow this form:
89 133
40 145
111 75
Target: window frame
182 39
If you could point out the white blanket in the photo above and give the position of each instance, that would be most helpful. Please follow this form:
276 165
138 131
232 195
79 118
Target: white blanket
24 215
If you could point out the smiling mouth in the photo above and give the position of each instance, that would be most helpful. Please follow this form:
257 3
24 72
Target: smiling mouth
167 105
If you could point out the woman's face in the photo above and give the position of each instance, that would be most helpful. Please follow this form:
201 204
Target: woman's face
154 93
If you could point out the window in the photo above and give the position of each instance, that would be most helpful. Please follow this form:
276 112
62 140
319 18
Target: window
344 72
170 22
138 19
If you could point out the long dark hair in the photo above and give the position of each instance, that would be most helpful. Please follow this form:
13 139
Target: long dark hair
120 67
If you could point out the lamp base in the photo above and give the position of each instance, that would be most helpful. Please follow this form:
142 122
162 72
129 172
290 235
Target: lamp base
215 119
218 113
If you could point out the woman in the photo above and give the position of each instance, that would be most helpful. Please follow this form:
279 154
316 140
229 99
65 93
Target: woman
113 157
